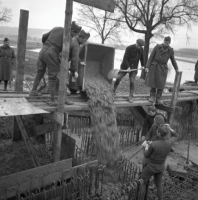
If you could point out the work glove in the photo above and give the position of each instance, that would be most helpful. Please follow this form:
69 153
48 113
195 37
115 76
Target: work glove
145 144
76 75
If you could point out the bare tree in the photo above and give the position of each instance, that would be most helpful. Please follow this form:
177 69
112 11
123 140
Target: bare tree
5 14
157 17
99 21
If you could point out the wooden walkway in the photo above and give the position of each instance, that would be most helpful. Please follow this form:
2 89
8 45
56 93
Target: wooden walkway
80 103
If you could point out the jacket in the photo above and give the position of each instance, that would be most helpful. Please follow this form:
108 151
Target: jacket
132 56
148 122
74 55
196 71
54 38
158 150
158 69
7 62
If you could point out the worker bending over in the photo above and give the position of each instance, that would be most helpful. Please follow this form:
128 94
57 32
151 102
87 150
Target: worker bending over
49 58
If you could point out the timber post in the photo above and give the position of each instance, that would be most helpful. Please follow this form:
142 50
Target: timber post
21 49
175 95
63 78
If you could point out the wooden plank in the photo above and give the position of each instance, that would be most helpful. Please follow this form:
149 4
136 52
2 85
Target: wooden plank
78 113
107 5
56 117
32 178
44 128
16 133
62 94
21 49
175 95
18 106
28 143
68 145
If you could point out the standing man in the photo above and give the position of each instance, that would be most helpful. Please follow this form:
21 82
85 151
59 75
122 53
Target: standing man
148 122
133 54
196 73
156 154
7 62
49 58
157 69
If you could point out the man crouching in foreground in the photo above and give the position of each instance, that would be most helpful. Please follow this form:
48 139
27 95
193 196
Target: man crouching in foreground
156 153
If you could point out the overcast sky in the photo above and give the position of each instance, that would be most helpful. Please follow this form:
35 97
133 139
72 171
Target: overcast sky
47 14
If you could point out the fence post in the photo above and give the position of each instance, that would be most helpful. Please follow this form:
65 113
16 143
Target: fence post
175 95
21 49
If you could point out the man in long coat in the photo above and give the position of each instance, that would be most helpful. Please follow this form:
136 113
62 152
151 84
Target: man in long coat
196 73
7 62
157 69
49 58
133 54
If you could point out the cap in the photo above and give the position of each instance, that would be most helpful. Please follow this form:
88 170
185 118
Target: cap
162 130
151 108
75 27
168 38
159 119
140 42
6 39
83 34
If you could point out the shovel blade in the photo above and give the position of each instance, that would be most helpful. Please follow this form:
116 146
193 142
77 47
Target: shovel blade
113 74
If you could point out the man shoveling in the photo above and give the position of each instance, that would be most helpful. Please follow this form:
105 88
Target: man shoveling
133 54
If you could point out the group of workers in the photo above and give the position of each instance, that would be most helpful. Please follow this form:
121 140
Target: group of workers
156 67
158 139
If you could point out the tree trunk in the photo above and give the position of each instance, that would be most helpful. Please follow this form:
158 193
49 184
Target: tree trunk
148 36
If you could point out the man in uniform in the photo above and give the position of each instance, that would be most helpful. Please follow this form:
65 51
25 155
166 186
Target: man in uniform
157 69
148 122
7 62
156 153
49 57
133 54
196 73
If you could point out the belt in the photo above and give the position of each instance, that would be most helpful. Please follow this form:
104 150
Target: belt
160 62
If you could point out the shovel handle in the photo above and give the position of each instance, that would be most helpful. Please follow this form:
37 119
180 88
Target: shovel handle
130 70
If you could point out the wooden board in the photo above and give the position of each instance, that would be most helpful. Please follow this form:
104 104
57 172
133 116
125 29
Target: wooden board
67 147
39 177
32 178
18 106
107 5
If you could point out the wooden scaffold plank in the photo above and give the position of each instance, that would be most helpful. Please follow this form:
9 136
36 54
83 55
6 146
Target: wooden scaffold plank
28 143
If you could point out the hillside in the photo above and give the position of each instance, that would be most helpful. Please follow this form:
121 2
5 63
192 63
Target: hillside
12 32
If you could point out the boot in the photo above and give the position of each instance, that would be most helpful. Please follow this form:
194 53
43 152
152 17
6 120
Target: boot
68 102
158 98
131 92
117 82
34 91
152 98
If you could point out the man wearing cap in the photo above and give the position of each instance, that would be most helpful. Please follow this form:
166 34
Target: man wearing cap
7 62
133 54
49 57
156 153
74 51
148 122
157 69
152 133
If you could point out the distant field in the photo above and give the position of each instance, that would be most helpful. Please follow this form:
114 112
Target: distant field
29 44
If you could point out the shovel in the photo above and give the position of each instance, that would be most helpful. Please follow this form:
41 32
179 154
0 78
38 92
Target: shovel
114 73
